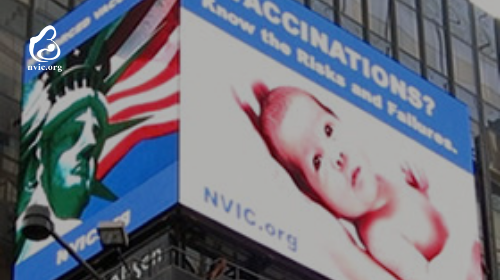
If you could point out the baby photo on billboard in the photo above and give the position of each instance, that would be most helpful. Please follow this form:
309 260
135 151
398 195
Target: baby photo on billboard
395 222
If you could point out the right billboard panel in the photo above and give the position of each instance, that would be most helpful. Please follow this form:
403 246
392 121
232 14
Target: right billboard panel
313 144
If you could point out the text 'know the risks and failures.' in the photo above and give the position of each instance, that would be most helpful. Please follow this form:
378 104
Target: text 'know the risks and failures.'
338 55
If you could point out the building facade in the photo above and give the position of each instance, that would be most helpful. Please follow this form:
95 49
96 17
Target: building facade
450 43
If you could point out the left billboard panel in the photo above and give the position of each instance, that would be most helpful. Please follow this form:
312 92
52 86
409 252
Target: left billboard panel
99 126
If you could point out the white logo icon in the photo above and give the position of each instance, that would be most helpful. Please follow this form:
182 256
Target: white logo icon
50 48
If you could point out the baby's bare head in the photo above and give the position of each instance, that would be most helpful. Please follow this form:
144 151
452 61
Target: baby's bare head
286 116
307 139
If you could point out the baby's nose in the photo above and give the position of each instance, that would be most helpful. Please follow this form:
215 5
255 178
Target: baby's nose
338 159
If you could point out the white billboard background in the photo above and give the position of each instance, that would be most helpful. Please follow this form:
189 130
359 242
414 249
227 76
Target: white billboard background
221 151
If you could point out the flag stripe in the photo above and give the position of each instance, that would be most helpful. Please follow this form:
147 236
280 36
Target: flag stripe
155 66
168 73
129 23
168 25
132 111
166 89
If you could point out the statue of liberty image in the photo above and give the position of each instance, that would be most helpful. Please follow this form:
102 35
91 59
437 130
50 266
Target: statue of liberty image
65 125
63 130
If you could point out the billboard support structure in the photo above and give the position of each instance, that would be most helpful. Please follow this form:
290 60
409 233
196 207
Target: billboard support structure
75 255
38 226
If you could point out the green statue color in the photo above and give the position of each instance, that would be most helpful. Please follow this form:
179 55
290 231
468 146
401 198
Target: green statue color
69 147
61 143
64 128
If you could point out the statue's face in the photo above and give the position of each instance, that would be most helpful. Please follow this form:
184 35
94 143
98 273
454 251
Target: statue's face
69 158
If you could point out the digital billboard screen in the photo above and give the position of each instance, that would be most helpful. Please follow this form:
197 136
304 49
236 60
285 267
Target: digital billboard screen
303 138
99 126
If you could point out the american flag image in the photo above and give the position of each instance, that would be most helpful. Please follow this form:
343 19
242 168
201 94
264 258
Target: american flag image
144 79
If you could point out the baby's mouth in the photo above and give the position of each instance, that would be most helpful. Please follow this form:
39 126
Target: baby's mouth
355 176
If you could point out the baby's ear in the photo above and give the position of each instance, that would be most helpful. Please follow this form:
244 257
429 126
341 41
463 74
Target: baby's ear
261 91
416 178
252 116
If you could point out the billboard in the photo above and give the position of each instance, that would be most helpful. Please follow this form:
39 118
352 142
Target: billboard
312 143
99 126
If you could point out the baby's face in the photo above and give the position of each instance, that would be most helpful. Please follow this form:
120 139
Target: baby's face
312 138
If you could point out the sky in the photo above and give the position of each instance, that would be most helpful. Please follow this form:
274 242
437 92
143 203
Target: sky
490 6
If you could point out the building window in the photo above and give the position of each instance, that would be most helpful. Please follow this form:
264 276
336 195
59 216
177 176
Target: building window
380 18
323 9
51 8
9 146
433 11
438 79
409 61
485 32
458 13
435 46
381 43
407 29
490 80
494 166
410 3
11 53
493 137
462 62
4 140
8 191
13 17
8 165
352 26
470 99
351 8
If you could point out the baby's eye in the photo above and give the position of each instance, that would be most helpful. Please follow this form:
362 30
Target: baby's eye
317 162
328 130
